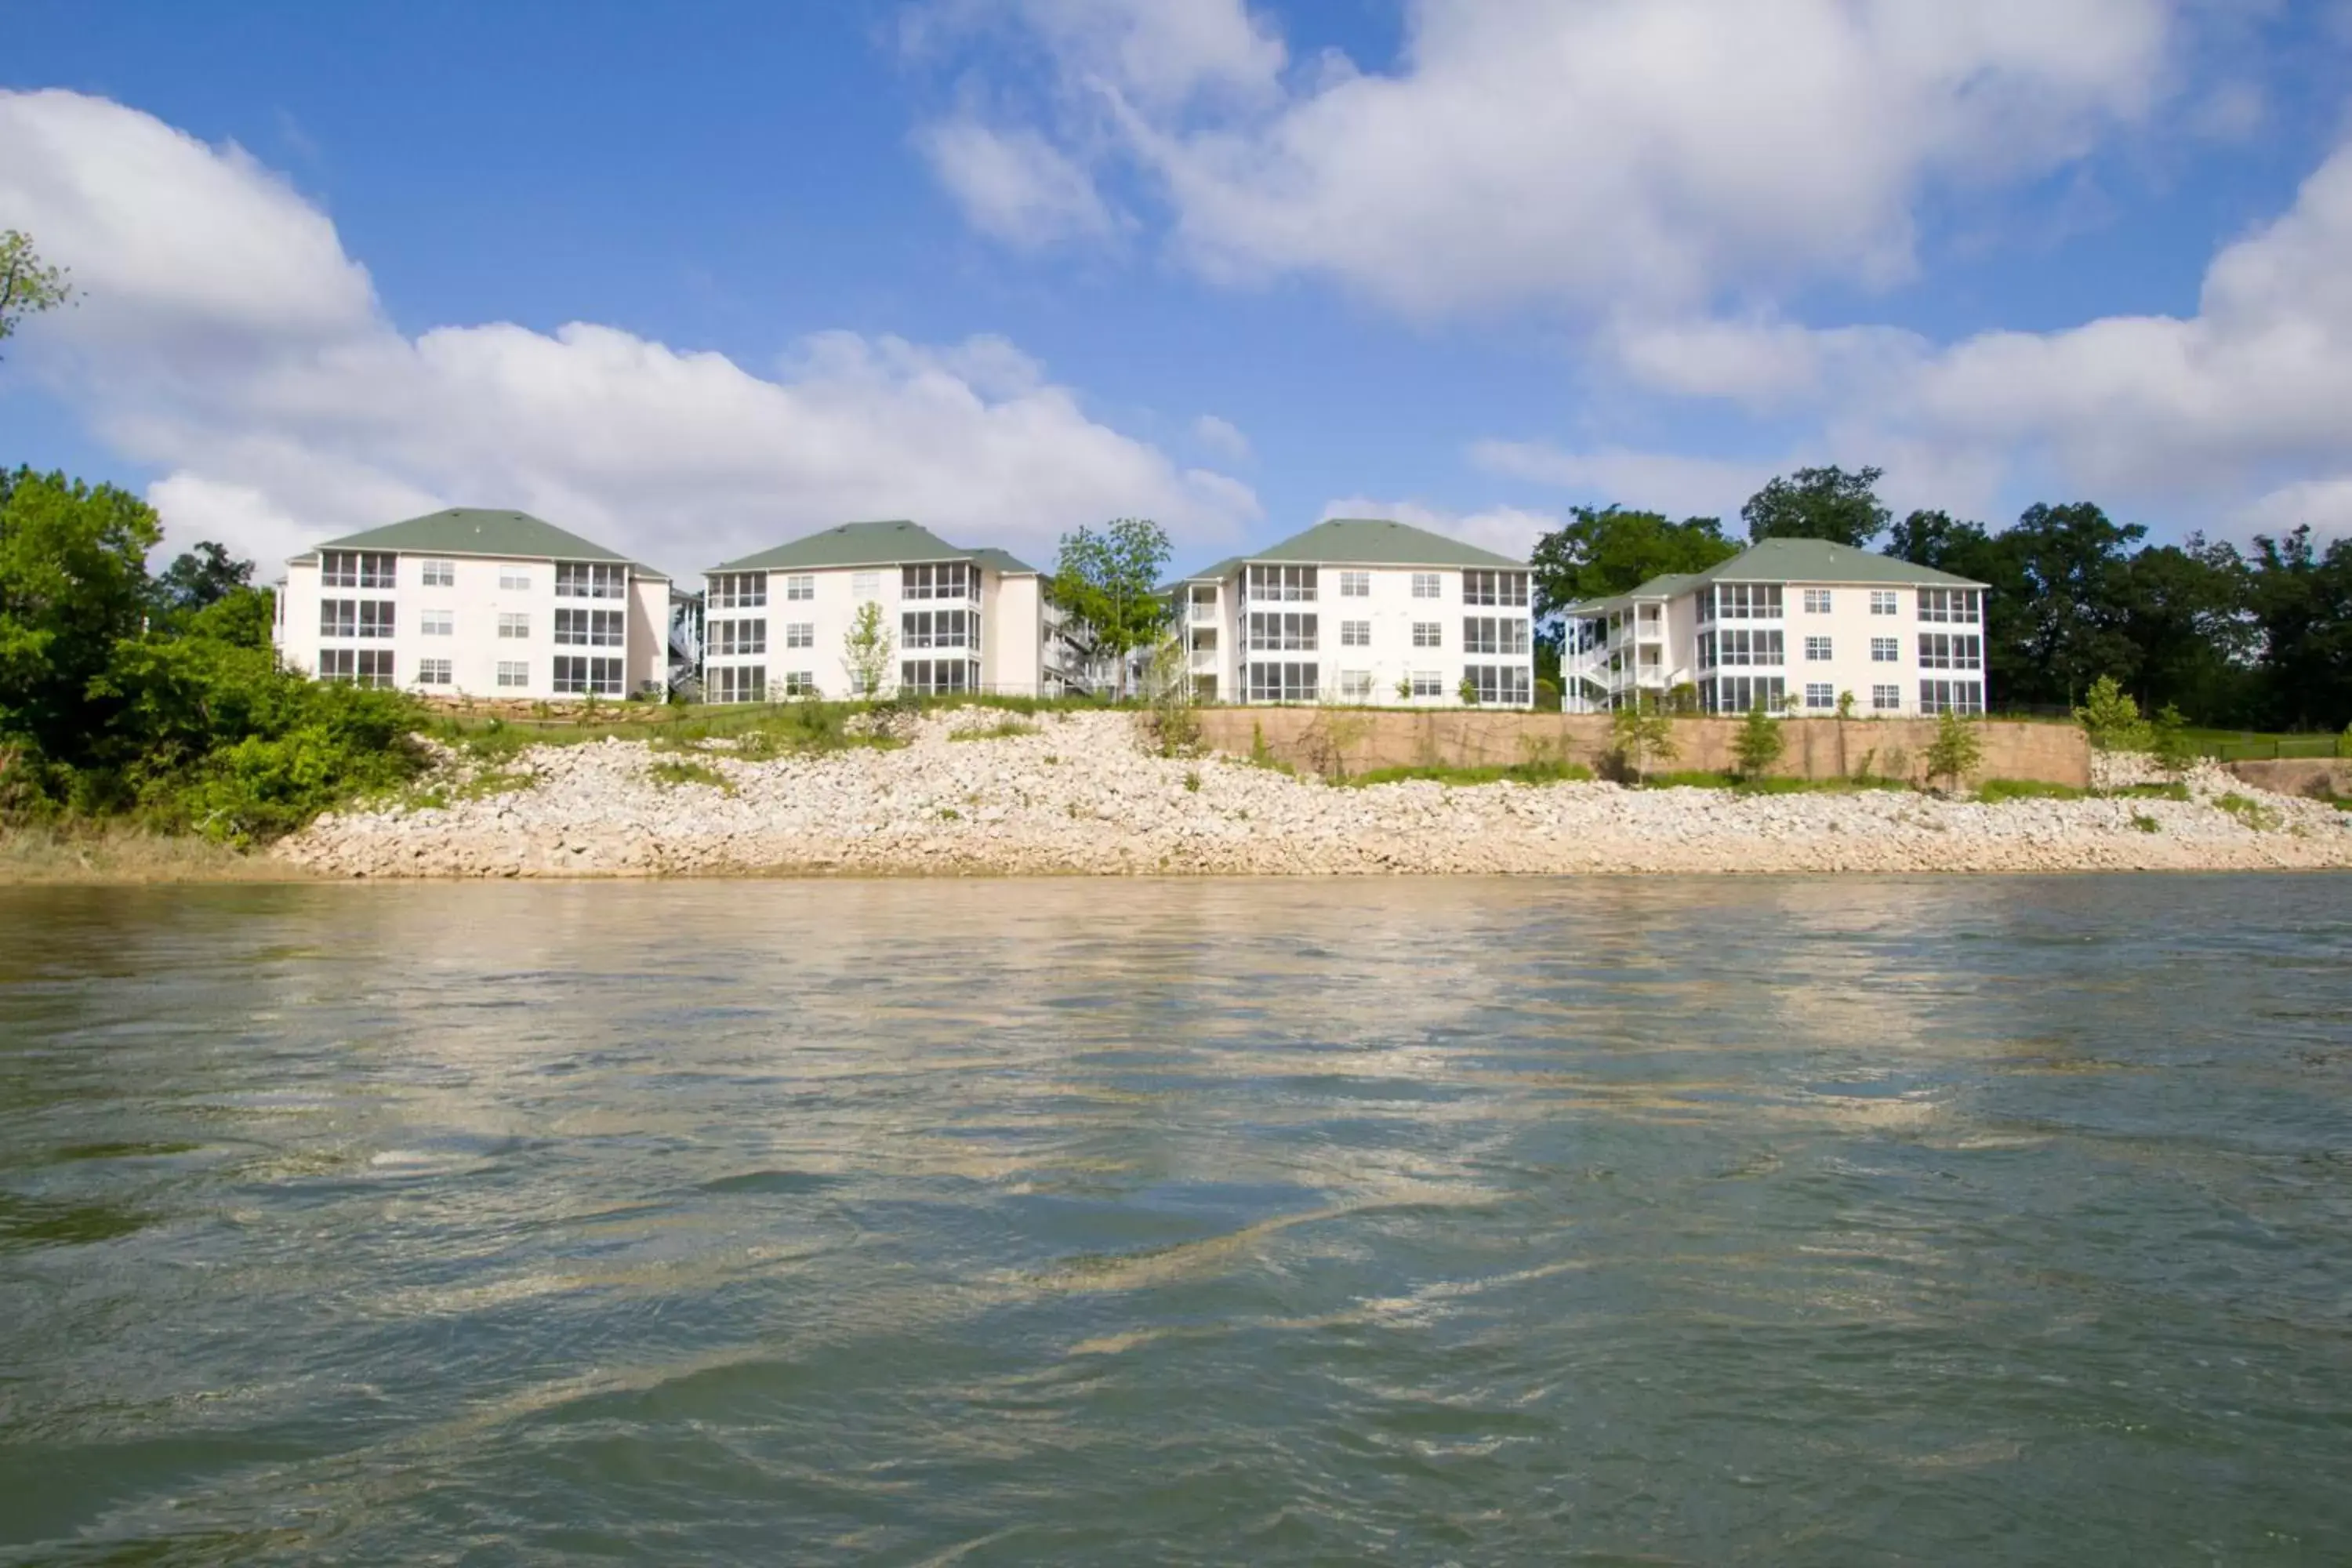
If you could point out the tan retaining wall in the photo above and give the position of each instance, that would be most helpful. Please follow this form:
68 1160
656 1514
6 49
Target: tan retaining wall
1358 741
2312 776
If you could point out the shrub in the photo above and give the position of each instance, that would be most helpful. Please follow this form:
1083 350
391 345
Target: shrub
2170 743
1955 750
1992 792
2257 817
1759 742
670 774
2143 823
1641 735
2113 719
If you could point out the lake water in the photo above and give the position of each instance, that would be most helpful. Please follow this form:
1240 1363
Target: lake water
1792 1221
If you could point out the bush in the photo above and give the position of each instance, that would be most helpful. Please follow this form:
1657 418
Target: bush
2113 719
1957 749
1759 742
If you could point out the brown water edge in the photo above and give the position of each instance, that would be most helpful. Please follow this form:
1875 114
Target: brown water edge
48 857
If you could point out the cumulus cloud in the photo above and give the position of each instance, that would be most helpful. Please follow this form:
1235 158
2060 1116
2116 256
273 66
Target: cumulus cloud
1670 482
1014 185
1505 529
226 338
1222 438
1583 153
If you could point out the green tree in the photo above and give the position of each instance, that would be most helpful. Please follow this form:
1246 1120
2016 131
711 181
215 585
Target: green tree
1820 503
2111 719
2299 598
1606 551
1759 742
1641 733
204 575
866 651
1957 750
28 285
73 584
2169 741
1109 582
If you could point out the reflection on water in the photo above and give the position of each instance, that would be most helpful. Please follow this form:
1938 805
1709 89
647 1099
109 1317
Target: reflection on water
1807 1221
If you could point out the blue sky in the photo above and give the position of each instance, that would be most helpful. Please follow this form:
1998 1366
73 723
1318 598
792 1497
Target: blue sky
1010 266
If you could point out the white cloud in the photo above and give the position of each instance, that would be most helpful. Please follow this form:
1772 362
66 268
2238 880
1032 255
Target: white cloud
1642 152
1505 529
1222 438
1013 185
226 338
1670 482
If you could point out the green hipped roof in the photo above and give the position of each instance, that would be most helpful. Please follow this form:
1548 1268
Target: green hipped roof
1362 541
1791 561
482 530
868 544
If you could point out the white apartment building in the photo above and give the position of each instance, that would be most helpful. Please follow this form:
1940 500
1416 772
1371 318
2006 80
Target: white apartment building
474 603
776 624
1360 610
1787 618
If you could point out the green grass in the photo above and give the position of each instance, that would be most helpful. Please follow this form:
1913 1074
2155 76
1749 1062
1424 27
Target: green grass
1769 785
2261 818
1002 729
1522 773
1992 792
675 771
2144 823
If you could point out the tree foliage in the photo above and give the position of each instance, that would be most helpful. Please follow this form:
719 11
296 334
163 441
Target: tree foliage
1819 503
1957 750
28 285
1605 551
865 649
1641 733
1108 581
1758 743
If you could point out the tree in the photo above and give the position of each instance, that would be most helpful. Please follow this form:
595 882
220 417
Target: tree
1609 550
2069 626
2169 744
1110 581
1641 734
202 576
1819 503
2299 599
73 583
1955 750
866 651
2112 718
1759 742
28 285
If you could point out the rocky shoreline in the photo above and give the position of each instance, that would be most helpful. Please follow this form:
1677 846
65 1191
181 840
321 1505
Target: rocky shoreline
1077 795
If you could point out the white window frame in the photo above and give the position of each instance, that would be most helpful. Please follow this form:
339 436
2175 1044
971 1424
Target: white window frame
1355 634
437 623
1817 601
1886 602
1355 686
1820 694
1355 585
1428 585
514 626
514 579
1887 699
435 672
1429 633
513 673
1816 651
799 634
800 587
436 573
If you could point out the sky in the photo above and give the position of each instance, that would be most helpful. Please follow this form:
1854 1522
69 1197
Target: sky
696 280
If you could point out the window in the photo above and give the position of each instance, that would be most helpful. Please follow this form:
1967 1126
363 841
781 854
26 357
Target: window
800 683
1355 686
739 591
1355 634
1204 640
513 624
1741 646
1355 585
947 580
1884 602
1494 589
1950 605
865 588
1951 696
1885 699
339 617
433 672
739 683
733 638
1819 694
590 628
513 672
800 634
1816 651
436 624
800 587
440 574
1950 650
1283 682
357 569
1282 631
590 580
577 676
1738 693
375 618
1204 604
1817 601
337 664
1429 633
1428 683
1886 650
931 676
938 629
1502 685
1282 584
1744 602
1425 585
1494 633
514 579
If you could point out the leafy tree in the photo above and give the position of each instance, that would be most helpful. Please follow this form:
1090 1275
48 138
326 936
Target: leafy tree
1468 691
2169 741
1641 734
202 576
2111 719
73 583
1957 750
2182 610
866 651
1937 541
1820 503
1110 581
1759 742
1605 551
2300 601
28 285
